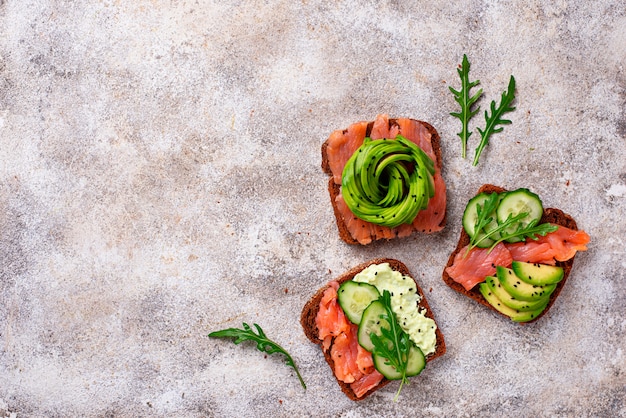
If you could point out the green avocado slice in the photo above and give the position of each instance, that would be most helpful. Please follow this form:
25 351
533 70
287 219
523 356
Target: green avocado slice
537 274
515 315
521 290
388 181
505 297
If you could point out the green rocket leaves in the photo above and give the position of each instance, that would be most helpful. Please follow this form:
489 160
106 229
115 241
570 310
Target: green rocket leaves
263 344
466 102
493 122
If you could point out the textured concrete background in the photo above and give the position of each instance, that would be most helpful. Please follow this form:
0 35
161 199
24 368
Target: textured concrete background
160 179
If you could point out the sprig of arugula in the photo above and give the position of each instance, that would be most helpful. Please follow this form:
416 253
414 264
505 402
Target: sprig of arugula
483 218
264 344
499 234
494 121
393 344
466 101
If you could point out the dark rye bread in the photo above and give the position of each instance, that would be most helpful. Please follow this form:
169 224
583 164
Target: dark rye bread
550 215
334 189
309 313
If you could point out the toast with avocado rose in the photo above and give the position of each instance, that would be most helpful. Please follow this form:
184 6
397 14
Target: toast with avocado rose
385 179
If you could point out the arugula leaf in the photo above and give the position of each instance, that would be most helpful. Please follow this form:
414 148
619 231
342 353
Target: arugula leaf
393 344
532 231
495 119
496 231
466 101
264 344
498 234
482 217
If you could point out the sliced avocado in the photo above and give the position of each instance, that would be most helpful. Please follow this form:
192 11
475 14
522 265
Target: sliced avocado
508 300
537 274
520 289
530 315
515 315
387 182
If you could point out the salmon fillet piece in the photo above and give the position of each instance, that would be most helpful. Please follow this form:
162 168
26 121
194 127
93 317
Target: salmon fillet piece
344 353
330 319
532 252
471 269
341 146
366 383
352 363
560 245
431 219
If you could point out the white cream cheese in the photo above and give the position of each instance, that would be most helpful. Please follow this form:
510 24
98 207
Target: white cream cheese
404 303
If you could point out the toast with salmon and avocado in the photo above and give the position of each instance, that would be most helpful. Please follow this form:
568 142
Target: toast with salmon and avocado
513 255
385 179
364 318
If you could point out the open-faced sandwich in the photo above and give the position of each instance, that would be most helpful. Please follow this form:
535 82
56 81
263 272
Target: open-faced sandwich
513 255
385 179
374 326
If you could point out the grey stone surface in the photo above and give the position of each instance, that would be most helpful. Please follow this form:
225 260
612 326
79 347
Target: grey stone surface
160 179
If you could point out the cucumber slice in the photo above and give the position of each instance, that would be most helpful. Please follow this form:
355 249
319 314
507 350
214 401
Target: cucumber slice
515 202
354 297
537 274
521 290
415 364
417 361
470 216
371 321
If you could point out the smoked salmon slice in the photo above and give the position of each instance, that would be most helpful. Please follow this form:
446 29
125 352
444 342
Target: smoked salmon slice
330 318
341 146
344 353
352 363
471 268
366 383
532 252
560 245
343 143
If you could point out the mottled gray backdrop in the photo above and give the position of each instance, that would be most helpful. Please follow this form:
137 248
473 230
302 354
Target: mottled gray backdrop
160 179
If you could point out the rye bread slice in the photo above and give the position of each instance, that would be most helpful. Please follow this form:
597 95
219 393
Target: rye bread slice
334 189
552 215
309 313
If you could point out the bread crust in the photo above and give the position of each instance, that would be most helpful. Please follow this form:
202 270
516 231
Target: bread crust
311 308
334 189
551 215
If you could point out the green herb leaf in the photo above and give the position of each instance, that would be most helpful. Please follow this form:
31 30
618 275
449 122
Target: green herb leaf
511 220
493 121
466 101
264 344
483 219
393 344
532 230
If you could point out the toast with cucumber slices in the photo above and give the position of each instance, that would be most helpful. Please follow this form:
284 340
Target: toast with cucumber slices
513 255
343 317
